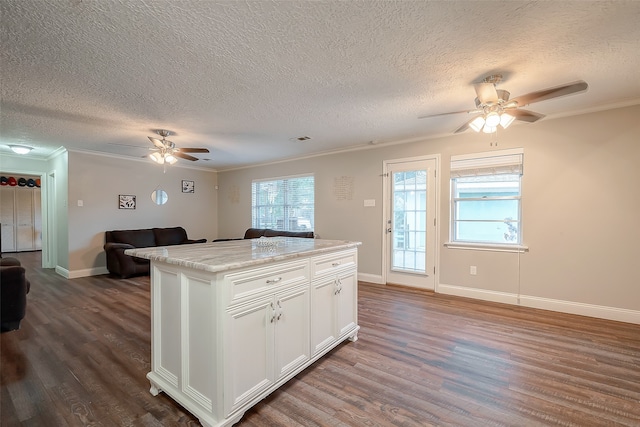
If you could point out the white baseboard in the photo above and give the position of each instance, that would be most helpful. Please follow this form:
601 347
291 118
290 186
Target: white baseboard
482 294
591 310
96 271
62 271
371 278
571 307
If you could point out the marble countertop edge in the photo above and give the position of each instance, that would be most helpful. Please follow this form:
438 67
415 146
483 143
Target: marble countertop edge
231 255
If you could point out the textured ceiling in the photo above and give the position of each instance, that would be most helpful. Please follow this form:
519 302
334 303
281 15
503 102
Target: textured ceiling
245 78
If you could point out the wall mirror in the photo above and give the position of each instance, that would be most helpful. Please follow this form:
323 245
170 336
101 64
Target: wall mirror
159 197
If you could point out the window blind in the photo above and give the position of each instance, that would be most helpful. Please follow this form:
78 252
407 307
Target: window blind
491 163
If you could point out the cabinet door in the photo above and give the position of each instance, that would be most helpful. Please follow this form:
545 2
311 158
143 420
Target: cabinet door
292 329
347 306
248 351
323 314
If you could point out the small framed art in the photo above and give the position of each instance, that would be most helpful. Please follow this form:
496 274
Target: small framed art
126 201
188 186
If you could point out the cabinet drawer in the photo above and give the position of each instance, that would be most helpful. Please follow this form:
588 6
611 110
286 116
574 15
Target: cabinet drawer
329 264
255 281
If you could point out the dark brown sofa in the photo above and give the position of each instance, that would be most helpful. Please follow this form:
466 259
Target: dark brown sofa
117 241
14 288
254 233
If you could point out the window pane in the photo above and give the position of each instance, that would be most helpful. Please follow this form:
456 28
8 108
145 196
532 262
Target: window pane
487 232
487 209
284 204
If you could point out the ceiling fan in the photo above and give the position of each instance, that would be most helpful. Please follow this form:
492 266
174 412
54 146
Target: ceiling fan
496 109
165 151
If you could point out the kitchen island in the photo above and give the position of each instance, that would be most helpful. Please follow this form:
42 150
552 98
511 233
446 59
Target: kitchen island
233 321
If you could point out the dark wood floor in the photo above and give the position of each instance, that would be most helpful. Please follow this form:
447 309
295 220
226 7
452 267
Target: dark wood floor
422 359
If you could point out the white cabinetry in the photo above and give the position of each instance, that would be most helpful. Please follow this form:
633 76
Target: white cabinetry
334 299
268 333
222 341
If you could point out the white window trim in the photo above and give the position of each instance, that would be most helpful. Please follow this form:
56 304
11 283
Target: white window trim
498 158
492 247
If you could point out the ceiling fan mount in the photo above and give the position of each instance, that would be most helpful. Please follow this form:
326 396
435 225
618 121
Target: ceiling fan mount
494 107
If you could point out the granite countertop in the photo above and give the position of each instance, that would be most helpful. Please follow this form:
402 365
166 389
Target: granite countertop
222 256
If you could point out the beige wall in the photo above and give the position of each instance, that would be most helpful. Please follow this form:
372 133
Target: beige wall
580 205
97 180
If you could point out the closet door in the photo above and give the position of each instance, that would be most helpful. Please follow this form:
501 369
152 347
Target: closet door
7 203
24 219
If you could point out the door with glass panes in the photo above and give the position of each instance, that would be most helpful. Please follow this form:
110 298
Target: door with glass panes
410 229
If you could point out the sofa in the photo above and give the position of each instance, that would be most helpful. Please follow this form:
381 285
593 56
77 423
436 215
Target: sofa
255 233
117 241
14 288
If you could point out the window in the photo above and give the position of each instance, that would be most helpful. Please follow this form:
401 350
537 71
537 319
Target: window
486 198
283 203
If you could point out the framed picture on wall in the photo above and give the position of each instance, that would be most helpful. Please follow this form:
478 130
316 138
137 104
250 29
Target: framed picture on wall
126 201
188 186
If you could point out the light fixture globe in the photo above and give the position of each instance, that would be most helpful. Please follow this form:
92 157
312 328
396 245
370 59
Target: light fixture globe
506 119
492 120
157 157
20 149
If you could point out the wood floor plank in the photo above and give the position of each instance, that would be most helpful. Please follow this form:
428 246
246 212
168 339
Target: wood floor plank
422 359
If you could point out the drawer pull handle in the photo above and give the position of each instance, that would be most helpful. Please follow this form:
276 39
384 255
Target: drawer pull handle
335 264
274 280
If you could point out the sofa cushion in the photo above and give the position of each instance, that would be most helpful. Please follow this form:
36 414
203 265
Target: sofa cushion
170 236
254 233
273 233
137 238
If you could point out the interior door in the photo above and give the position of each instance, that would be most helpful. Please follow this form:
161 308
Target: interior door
410 229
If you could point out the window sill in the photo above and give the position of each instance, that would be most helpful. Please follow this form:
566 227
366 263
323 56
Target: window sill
486 247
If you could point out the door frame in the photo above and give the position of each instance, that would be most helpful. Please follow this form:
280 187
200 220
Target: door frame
386 195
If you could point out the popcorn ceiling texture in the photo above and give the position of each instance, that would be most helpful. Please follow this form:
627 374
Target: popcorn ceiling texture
244 77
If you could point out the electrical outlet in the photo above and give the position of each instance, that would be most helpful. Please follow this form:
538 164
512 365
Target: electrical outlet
473 270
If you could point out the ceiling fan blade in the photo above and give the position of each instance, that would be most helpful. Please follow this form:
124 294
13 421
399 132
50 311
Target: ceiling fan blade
193 150
550 93
464 126
184 156
486 93
525 115
156 142
452 112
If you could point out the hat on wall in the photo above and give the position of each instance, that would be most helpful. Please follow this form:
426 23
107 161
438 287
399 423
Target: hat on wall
22 182
12 181
37 182
31 182
4 180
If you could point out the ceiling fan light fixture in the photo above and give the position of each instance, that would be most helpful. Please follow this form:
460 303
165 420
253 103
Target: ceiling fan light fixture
477 123
492 120
157 157
506 119
489 129
169 158
20 149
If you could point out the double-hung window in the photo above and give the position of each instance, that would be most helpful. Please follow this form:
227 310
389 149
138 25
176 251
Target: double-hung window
283 203
486 199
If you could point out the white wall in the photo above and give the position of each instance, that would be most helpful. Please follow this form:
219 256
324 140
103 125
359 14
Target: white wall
580 210
98 180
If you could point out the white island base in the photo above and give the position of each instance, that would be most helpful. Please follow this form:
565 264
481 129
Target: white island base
233 321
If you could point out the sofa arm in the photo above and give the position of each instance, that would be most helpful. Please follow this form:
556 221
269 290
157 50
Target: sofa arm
121 264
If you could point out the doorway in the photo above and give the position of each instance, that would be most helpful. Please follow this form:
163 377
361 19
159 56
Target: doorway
410 238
